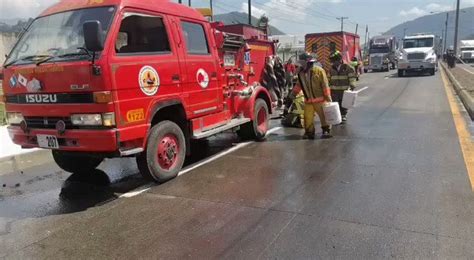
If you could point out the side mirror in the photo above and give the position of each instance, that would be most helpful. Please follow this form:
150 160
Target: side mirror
93 36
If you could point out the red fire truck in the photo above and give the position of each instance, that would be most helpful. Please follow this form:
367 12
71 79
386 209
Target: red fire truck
95 79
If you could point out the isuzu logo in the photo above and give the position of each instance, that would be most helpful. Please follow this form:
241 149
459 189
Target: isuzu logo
41 98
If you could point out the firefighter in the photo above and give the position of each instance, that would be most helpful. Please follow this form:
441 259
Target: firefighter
313 82
341 78
290 70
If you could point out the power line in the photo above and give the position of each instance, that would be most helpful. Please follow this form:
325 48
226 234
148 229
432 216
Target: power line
342 18
220 5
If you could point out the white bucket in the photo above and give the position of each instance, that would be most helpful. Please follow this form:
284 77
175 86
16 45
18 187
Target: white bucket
349 99
332 113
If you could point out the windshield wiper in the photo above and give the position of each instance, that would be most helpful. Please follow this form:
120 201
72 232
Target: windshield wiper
31 57
72 54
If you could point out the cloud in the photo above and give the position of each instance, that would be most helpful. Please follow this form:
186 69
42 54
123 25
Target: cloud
257 12
430 8
23 8
434 7
415 11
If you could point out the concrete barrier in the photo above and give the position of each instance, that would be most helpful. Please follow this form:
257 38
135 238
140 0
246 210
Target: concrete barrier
463 94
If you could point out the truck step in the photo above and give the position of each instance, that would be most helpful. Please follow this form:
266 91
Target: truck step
232 124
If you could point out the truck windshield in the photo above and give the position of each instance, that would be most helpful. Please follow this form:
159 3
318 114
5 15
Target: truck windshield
379 50
467 49
58 36
418 43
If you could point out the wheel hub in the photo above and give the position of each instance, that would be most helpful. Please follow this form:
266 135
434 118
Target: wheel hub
168 151
262 120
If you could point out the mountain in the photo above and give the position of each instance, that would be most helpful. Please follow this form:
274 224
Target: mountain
237 17
435 23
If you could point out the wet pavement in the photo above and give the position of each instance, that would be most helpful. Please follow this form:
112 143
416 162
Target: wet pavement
391 183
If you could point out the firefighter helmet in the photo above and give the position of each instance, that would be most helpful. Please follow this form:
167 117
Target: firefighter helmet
336 56
307 57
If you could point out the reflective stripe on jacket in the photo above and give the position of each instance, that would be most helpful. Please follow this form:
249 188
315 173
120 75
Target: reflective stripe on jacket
342 79
314 84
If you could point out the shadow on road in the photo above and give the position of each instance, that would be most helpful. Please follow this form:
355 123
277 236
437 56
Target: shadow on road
45 190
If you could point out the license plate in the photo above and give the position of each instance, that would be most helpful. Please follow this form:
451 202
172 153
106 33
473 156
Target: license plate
48 141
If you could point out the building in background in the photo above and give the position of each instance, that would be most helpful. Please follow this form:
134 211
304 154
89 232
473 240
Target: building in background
289 46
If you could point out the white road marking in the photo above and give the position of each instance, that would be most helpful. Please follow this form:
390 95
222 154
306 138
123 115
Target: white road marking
137 191
362 89
147 187
466 70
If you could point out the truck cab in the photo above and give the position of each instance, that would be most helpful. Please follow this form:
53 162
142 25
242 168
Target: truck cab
382 53
419 54
118 78
467 51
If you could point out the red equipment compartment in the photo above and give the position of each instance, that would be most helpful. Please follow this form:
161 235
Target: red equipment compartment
323 44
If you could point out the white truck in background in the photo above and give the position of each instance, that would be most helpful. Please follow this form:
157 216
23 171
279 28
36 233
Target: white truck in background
419 54
466 50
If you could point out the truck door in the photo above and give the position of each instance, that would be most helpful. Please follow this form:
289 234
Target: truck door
144 65
201 86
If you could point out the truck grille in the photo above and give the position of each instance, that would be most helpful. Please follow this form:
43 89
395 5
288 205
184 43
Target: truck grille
377 60
467 55
416 56
47 122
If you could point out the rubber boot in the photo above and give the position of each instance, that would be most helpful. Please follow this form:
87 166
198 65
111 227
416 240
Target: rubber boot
326 132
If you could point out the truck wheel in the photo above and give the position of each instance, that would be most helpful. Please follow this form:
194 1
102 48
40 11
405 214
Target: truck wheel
401 73
256 129
75 162
432 71
165 153
366 70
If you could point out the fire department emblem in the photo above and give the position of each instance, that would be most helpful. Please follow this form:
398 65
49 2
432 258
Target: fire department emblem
149 80
202 78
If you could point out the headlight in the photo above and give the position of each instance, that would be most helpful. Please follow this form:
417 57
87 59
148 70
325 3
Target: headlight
87 119
432 59
14 118
106 119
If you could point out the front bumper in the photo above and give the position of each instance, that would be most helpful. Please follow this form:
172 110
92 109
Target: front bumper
416 65
378 66
71 140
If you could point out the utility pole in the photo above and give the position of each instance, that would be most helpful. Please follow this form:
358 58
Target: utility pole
405 32
446 33
211 6
180 1
342 22
366 34
357 27
250 12
456 30
189 3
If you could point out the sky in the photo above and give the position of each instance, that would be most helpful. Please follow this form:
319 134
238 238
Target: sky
295 16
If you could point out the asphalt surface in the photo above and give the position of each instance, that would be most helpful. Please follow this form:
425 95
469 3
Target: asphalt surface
467 67
391 183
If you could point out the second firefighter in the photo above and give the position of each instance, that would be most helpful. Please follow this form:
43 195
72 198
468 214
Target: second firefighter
342 77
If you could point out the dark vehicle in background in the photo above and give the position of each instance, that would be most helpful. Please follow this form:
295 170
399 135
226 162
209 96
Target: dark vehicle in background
382 53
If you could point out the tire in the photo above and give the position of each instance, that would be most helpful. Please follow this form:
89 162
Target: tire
257 128
165 152
432 72
75 162
366 70
401 73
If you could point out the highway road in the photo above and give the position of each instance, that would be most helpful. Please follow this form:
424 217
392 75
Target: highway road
393 182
